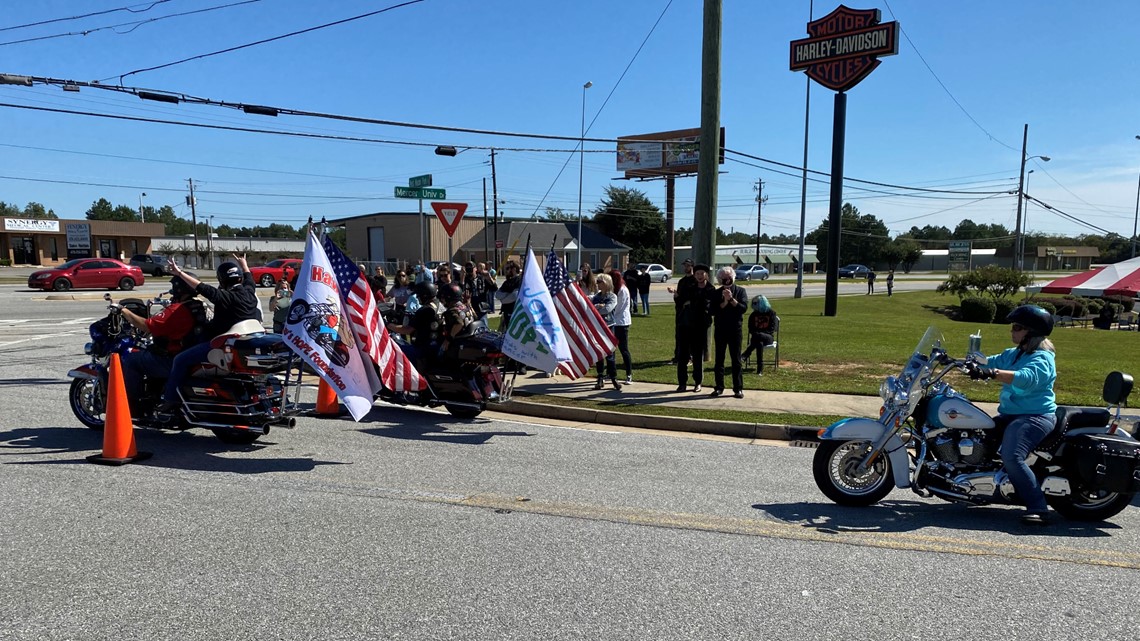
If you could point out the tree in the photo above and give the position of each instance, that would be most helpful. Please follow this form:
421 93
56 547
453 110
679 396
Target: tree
863 239
102 210
36 210
556 215
991 280
627 216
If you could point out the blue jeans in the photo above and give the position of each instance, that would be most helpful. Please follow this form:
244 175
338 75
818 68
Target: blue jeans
136 366
1022 435
180 368
645 303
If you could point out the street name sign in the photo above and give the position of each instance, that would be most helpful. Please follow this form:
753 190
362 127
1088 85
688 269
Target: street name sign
420 181
423 193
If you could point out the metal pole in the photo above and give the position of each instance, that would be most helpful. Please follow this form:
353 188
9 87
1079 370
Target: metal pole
486 248
799 293
210 239
423 250
704 214
1024 225
759 204
142 212
495 204
1136 216
581 167
1016 262
670 221
835 215
194 221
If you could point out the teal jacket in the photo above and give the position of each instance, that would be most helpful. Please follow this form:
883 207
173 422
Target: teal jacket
1031 391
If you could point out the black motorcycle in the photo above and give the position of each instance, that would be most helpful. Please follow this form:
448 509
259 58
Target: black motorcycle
237 393
464 379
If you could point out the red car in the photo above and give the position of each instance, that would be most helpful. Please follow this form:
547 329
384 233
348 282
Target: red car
271 273
98 273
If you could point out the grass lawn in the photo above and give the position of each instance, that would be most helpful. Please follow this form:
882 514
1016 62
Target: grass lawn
872 336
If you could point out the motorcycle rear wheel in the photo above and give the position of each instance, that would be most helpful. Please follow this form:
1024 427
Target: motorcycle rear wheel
88 402
1089 505
834 470
463 411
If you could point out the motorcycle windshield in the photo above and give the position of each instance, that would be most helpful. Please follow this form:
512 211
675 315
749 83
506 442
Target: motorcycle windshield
919 366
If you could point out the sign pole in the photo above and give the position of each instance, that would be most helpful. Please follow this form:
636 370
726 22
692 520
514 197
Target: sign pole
423 260
835 214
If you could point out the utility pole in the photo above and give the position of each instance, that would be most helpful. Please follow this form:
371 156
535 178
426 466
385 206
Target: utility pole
1016 262
760 200
704 215
495 204
194 219
486 248
210 239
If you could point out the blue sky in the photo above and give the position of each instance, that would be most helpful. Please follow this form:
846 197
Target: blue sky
1066 69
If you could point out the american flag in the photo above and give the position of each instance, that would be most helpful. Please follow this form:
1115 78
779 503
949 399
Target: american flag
589 337
396 371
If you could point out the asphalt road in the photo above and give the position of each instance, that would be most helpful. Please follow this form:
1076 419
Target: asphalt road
411 525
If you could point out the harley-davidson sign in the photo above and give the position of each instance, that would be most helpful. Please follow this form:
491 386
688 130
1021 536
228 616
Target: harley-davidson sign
844 47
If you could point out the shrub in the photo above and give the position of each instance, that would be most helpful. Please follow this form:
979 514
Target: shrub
1095 305
4 262
978 309
991 280
1002 308
1045 305
1069 306
1127 303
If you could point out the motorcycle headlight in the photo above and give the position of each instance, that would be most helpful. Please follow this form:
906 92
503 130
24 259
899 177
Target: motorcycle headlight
88 348
893 392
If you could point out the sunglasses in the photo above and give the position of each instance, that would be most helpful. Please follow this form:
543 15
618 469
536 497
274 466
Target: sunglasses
1017 328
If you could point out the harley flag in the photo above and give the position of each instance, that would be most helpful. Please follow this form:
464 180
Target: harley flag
396 371
318 332
589 337
535 336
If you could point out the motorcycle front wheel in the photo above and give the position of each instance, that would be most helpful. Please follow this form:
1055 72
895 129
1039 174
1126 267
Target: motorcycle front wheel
464 411
835 468
88 402
1089 505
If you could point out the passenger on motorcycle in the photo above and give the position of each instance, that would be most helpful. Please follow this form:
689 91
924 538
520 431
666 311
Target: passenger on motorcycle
423 327
235 300
180 325
1027 406
457 315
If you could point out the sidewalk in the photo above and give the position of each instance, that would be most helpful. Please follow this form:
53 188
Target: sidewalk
661 395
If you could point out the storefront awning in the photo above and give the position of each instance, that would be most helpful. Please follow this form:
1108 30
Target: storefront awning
778 259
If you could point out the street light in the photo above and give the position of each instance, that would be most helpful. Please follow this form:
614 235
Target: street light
142 212
1016 263
581 168
1136 216
1025 222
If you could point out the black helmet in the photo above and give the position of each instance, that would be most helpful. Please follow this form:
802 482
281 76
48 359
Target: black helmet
425 291
180 288
450 294
229 274
1035 319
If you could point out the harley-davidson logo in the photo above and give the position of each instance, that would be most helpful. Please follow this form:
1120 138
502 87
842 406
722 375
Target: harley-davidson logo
952 414
844 46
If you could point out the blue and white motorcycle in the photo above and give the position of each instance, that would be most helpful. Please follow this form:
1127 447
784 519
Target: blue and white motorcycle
930 438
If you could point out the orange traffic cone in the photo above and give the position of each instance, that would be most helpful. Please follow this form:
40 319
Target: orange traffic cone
118 432
328 405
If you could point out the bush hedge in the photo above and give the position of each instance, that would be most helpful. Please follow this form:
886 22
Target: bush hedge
978 309
1002 308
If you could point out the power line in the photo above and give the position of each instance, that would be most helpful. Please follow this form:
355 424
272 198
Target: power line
259 42
129 8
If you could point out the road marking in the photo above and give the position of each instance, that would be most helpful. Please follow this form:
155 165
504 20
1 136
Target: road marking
39 338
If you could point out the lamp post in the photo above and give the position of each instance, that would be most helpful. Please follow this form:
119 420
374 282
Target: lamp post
142 212
581 169
1025 222
1016 263
1136 216
210 239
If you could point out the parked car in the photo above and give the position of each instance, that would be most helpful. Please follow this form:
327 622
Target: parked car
752 272
152 264
97 273
657 273
271 273
854 271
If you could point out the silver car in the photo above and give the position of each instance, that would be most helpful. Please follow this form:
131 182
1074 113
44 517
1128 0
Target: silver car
752 272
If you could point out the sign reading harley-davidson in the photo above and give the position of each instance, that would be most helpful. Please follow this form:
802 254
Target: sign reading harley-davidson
844 47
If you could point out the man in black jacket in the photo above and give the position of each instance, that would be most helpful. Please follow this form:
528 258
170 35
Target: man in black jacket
695 297
235 300
678 335
728 307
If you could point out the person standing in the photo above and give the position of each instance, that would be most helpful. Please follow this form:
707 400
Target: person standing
279 304
871 282
728 307
644 281
587 280
489 288
890 283
508 293
680 345
694 299
622 321
1028 406
605 301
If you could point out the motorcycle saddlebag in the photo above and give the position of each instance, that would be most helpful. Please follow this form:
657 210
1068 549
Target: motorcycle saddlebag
1105 462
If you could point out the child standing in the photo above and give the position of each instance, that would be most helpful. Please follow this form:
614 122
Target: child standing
762 324
890 283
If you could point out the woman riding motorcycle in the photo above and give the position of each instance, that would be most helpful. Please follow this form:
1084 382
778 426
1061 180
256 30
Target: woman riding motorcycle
1028 406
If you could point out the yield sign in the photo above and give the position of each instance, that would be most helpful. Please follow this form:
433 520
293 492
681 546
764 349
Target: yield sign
449 214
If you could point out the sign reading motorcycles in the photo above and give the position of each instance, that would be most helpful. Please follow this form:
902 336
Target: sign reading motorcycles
844 47
449 214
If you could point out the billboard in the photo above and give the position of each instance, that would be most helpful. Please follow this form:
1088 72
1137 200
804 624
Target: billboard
662 154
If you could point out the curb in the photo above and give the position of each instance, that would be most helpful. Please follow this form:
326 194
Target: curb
763 431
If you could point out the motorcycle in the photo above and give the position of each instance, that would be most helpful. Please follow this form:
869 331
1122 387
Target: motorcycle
237 394
466 378
932 439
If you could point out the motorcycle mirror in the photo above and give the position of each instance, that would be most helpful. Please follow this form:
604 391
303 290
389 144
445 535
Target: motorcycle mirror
107 297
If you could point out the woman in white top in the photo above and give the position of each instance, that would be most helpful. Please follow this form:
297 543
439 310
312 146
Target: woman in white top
622 321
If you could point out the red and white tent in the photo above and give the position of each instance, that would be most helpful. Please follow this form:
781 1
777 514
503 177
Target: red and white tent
1120 279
